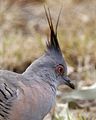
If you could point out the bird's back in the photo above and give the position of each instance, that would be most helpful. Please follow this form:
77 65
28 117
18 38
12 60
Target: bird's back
20 100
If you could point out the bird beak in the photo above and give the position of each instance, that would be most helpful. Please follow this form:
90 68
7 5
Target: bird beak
68 82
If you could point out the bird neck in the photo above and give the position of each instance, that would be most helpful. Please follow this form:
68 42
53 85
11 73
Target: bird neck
34 77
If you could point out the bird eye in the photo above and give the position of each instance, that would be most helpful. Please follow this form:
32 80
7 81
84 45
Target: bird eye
60 69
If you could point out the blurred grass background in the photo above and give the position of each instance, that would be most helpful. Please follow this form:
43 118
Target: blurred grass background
24 30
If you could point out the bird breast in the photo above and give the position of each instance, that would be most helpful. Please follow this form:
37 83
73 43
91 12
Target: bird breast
33 103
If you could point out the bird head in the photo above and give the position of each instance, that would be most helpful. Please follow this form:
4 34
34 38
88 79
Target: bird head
51 67
55 59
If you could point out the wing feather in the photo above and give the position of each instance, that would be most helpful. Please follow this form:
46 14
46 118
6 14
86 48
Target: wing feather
8 92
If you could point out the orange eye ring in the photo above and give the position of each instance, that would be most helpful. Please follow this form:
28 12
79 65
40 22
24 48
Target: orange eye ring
59 69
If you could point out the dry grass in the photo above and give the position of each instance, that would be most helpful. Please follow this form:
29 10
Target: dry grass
78 35
23 30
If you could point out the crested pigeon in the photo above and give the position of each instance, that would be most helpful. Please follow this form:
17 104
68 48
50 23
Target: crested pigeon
31 95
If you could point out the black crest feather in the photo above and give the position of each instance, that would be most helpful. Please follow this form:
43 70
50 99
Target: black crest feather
52 43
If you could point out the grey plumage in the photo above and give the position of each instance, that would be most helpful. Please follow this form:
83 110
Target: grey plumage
31 95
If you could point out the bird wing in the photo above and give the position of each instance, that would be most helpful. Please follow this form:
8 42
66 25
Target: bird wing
9 85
